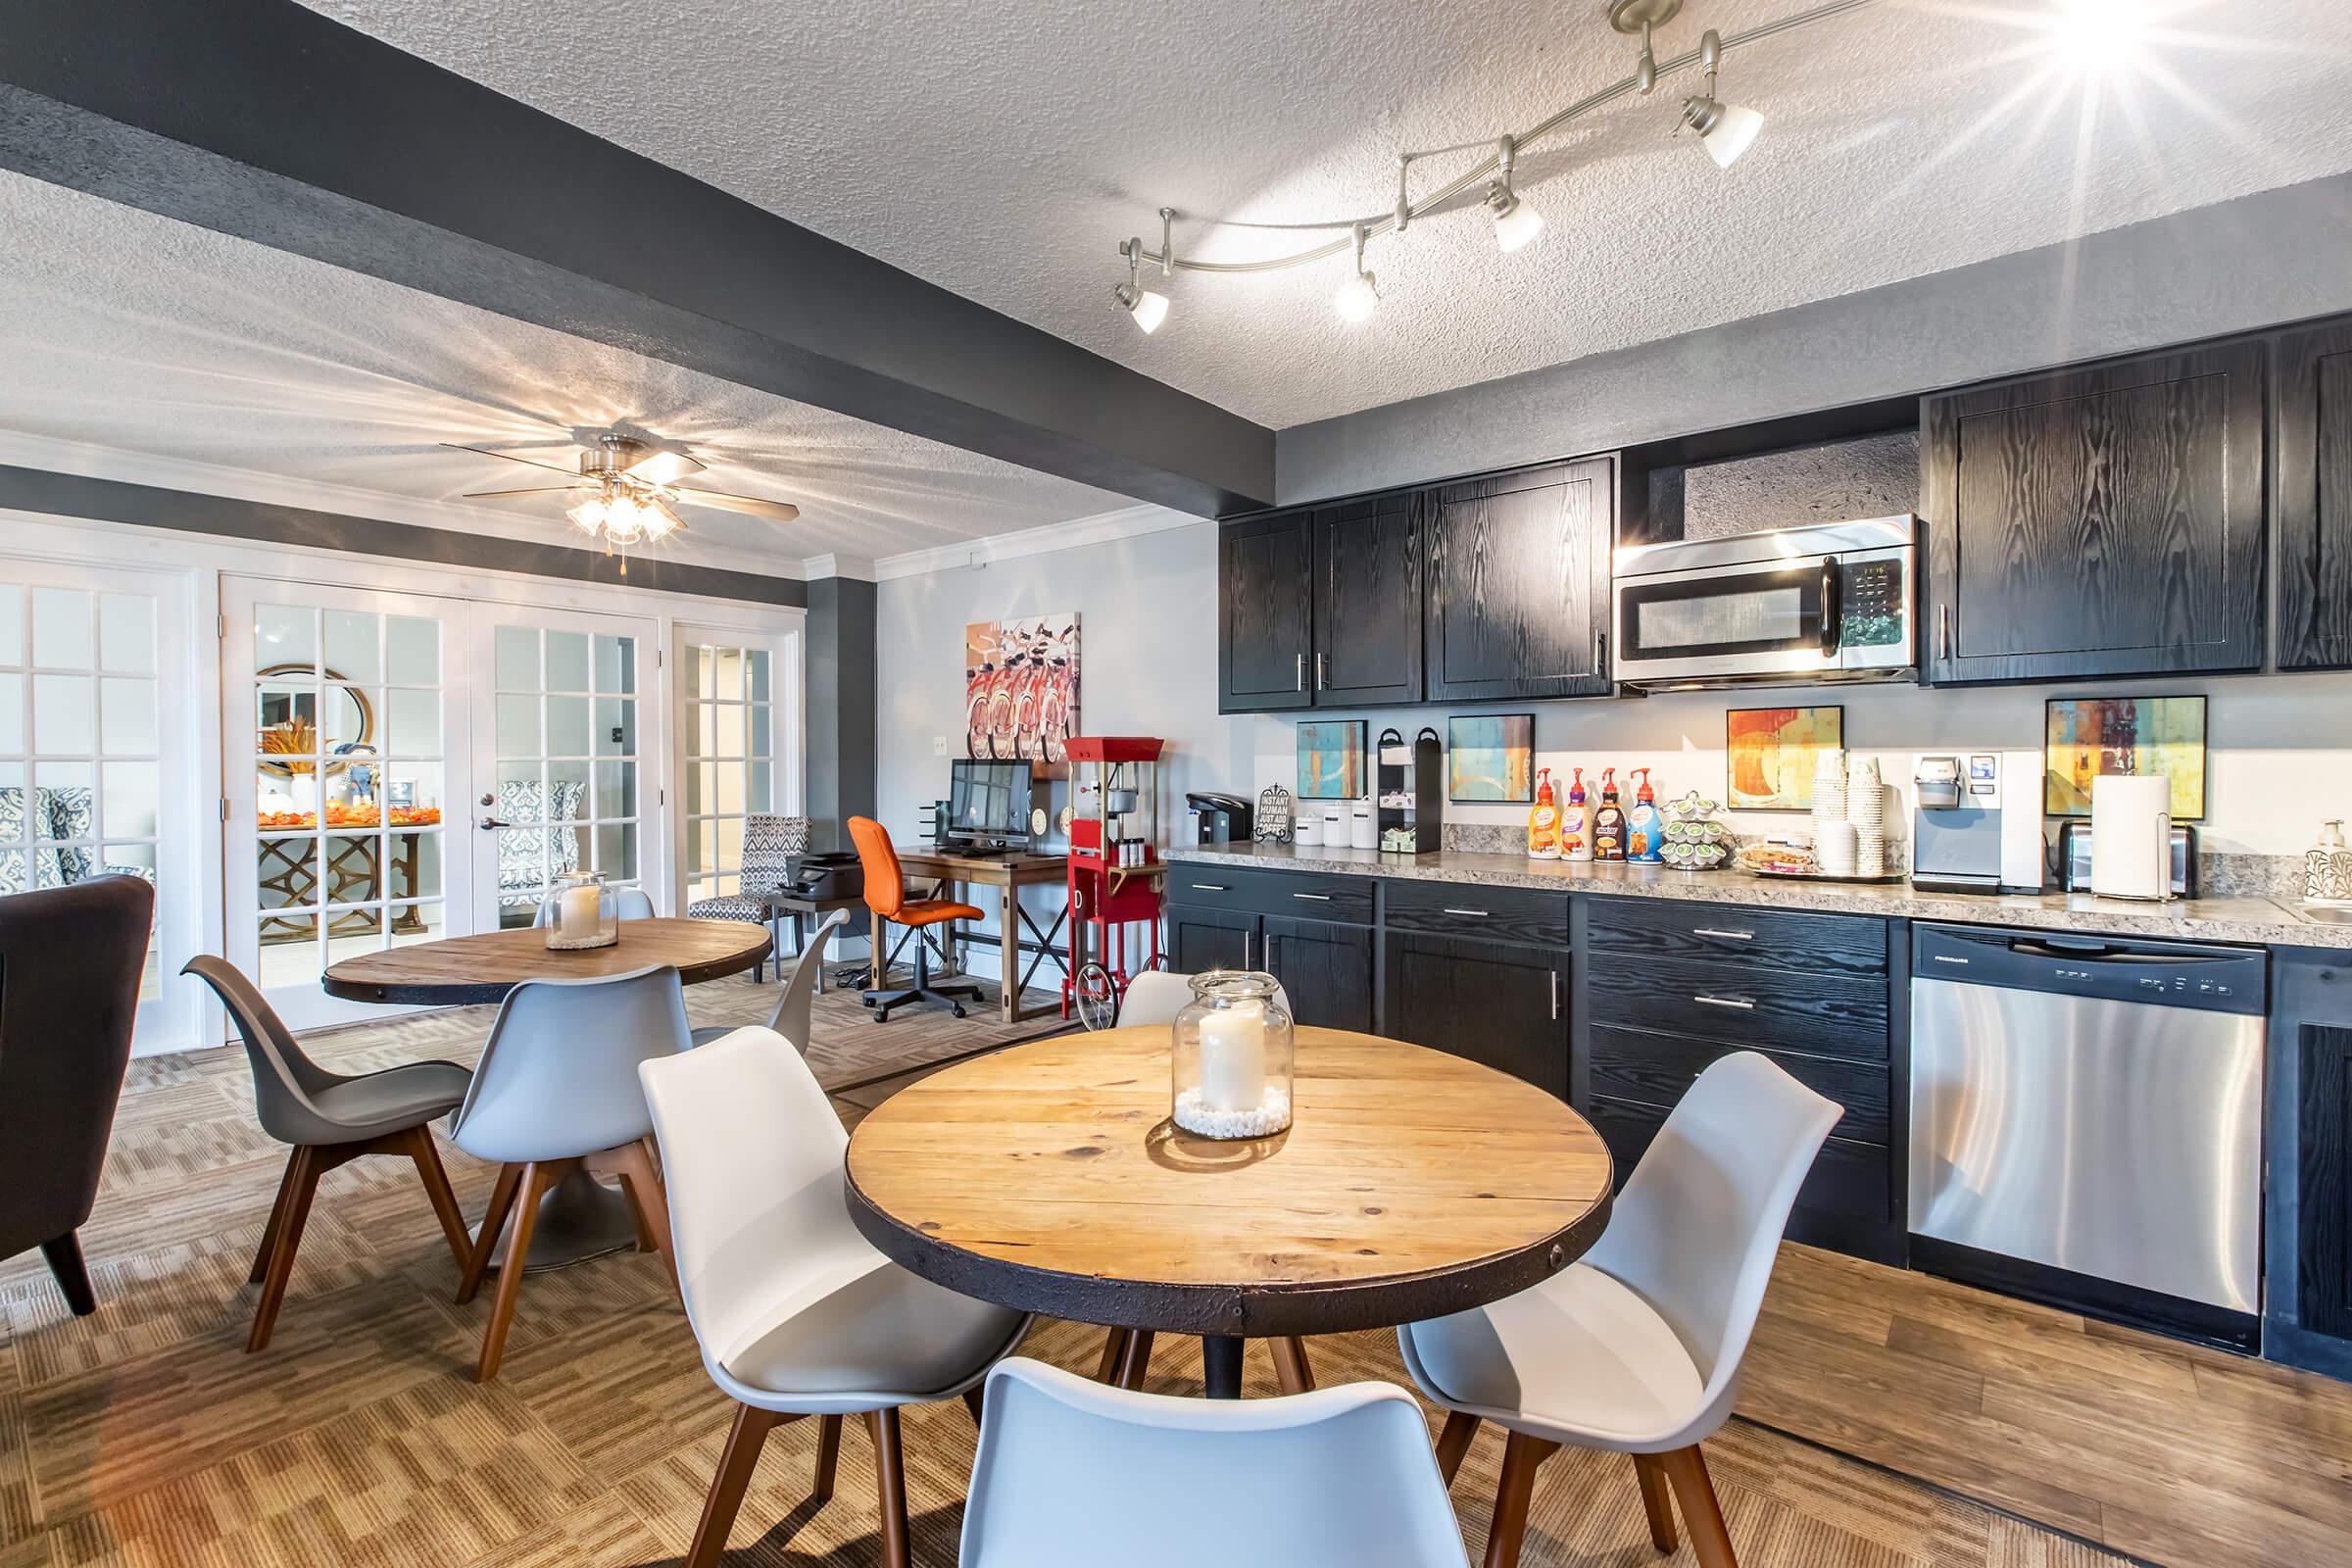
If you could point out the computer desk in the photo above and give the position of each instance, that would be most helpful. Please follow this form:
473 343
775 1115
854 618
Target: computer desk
1008 874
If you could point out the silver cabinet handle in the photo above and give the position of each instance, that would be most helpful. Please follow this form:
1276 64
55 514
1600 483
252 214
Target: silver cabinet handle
1741 1003
1601 653
1319 898
1943 629
1246 939
1209 887
1556 996
1301 686
1322 672
1727 936
1476 915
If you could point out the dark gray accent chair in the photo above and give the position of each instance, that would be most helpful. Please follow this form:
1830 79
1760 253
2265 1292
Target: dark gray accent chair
331 1120
70 962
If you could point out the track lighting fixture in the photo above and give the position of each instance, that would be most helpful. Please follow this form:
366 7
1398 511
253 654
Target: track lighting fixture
1148 309
1359 296
1517 224
1725 130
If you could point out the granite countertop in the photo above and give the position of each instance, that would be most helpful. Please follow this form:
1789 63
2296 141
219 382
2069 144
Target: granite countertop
2233 918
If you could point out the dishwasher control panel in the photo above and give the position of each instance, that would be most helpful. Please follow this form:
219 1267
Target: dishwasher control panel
2203 976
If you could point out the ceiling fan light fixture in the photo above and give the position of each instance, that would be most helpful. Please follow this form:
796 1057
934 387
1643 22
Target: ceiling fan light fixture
588 515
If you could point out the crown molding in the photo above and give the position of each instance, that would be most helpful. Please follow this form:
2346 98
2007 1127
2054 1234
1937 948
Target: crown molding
91 461
859 568
1101 527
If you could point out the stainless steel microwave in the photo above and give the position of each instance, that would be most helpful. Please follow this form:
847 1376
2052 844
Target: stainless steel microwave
1836 602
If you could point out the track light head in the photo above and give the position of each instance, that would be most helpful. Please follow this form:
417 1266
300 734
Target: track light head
1725 130
1359 296
1146 308
1517 224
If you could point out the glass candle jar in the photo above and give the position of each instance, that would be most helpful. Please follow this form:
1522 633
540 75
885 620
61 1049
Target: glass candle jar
587 915
1230 1057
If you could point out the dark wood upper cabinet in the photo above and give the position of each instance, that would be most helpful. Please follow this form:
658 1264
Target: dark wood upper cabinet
1367 603
2105 520
2312 469
1518 584
1264 616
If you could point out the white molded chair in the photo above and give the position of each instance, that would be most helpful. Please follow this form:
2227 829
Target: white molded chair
1636 1346
791 1019
1071 1473
629 904
796 1312
555 1093
1156 996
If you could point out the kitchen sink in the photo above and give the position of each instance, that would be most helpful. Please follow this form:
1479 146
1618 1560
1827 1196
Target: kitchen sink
2324 915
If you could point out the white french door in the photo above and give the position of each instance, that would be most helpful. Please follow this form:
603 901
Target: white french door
737 696
345 745
559 742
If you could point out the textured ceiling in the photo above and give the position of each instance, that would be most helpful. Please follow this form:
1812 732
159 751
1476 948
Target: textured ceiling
130 331
1002 150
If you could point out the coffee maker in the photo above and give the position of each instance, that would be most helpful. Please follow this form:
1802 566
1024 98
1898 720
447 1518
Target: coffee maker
1975 822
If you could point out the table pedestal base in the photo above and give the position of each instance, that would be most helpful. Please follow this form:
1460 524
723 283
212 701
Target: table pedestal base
1221 1366
579 1218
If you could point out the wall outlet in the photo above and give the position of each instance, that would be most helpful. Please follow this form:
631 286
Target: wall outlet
939 746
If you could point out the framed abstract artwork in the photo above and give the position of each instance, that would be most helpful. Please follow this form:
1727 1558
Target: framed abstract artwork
1491 756
2083 737
1772 752
1331 759
1020 690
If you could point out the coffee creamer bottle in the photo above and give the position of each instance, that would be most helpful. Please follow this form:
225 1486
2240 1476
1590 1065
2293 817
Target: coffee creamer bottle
1576 822
1543 822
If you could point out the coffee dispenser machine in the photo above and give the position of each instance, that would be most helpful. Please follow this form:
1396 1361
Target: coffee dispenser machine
1975 822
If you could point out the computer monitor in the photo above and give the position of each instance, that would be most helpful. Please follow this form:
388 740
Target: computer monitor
988 801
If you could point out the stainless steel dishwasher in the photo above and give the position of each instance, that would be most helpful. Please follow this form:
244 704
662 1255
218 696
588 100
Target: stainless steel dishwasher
2087 1121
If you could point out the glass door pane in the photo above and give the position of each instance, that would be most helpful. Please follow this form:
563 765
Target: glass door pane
340 765
728 721
560 791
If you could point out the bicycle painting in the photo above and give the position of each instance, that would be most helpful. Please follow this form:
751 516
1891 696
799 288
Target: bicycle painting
1020 689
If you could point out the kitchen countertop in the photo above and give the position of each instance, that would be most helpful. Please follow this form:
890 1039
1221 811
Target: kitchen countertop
2238 918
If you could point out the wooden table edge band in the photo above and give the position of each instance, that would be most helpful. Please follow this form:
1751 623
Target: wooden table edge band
1258 1311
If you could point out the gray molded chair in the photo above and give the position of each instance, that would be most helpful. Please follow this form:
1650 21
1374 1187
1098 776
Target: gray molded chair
330 1120
556 1092
629 904
1158 996
791 1014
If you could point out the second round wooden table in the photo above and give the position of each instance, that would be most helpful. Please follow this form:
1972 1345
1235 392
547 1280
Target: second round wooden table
1048 1178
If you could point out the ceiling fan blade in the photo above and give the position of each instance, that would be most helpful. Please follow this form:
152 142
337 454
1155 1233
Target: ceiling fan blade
659 466
460 446
748 506
535 490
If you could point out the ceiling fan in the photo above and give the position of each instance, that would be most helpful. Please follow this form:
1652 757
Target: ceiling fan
631 489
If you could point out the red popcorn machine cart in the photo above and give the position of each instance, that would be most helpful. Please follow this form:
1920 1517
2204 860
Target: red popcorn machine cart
1115 870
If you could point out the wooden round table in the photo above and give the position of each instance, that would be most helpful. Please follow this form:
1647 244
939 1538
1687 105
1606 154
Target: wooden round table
580 1218
1048 1178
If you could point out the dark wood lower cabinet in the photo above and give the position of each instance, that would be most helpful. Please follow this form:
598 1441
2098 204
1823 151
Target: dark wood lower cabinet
2324 1180
1496 1003
1210 939
1325 969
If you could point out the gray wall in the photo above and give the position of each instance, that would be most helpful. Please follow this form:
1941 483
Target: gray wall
840 708
2235 266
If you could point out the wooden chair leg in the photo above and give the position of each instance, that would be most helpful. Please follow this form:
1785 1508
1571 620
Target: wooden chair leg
302 1177
736 1461
976 1403
1115 1351
419 1142
1291 1368
1454 1443
647 1199
890 1472
1520 1457
1657 1500
1702 1515
536 1180
485 1240
63 1254
828 1457
277 1220
1135 1361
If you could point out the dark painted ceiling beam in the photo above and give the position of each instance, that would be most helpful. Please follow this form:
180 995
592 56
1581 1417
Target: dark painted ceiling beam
263 119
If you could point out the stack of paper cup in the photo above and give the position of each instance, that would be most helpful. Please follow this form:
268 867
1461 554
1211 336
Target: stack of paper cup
1829 793
1865 809
1836 849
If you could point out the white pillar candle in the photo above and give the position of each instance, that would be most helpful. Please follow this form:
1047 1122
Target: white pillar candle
1233 1057
576 913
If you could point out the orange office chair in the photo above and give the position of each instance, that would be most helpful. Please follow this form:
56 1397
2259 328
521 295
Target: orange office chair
885 896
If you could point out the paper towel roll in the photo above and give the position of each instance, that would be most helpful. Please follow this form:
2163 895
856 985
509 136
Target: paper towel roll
2132 836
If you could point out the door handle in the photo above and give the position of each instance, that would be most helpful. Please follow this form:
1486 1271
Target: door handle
1832 609
1322 672
1943 630
1245 937
491 823
1556 996
1727 936
1740 1003
1601 653
1302 680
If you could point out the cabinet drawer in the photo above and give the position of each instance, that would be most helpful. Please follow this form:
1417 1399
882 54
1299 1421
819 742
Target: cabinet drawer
1817 944
1746 1004
1494 914
1631 1064
1305 895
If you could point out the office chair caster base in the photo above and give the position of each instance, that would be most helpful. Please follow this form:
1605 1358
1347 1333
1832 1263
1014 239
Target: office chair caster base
958 1011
